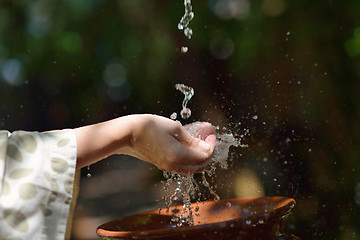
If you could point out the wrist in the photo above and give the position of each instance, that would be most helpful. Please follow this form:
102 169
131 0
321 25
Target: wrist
122 133
98 141
136 125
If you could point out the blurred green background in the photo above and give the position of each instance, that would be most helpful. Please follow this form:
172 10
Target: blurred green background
286 70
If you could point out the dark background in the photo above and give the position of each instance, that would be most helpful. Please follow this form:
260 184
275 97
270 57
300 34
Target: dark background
288 71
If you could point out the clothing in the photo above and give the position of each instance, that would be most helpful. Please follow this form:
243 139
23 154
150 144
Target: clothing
37 174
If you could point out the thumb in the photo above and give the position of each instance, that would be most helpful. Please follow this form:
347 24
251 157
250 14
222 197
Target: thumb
211 139
206 146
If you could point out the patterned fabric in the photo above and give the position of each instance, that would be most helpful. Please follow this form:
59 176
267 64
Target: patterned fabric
37 172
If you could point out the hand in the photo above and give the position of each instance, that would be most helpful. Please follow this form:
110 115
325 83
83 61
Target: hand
158 140
202 130
170 146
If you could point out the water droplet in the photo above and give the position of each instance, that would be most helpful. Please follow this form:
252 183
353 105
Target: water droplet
248 222
206 184
188 93
166 174
185 20
255 117
173 116
89 174
185 113
188 32
228 204
261 221
184 49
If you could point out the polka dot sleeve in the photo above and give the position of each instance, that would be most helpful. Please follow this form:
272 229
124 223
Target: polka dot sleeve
37 173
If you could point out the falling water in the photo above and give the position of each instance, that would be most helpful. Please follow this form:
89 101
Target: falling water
184 49
185 20
188 93
88 175
187 189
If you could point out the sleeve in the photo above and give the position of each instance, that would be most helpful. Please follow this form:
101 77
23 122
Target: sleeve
37 172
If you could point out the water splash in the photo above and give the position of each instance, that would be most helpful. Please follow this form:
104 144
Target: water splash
206 184
188 93
88 175
185 20
187 189
173 116
222 148
184 49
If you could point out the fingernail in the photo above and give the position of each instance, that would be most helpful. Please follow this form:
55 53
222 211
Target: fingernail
204 146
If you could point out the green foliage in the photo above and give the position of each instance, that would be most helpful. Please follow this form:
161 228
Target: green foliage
295 64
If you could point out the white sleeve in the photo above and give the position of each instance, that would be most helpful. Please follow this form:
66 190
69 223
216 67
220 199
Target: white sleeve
37 173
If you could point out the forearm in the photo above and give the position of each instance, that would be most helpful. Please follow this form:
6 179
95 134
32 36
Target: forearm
154 139
98 141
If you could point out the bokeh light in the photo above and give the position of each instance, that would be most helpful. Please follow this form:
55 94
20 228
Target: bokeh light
222 48
228 9
286 71
70 42
352 46
12 72
273 8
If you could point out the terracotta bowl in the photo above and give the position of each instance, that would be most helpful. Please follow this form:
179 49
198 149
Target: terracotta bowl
250 219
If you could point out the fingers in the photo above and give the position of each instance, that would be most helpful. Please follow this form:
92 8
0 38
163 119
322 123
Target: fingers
192 154
205 130
182 135
195 152
170 146
187 158
189 161
211 139
190 134
200 129
205 148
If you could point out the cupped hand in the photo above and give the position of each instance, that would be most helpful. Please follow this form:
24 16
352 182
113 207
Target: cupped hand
202 130
169 145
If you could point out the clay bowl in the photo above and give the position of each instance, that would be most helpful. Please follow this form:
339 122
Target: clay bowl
243 219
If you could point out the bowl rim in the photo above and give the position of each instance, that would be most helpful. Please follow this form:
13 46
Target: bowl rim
283 208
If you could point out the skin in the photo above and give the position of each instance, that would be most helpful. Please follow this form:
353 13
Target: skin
155 139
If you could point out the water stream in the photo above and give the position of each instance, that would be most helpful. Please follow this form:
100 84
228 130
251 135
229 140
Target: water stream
185 20
186 188
181 187
188 93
